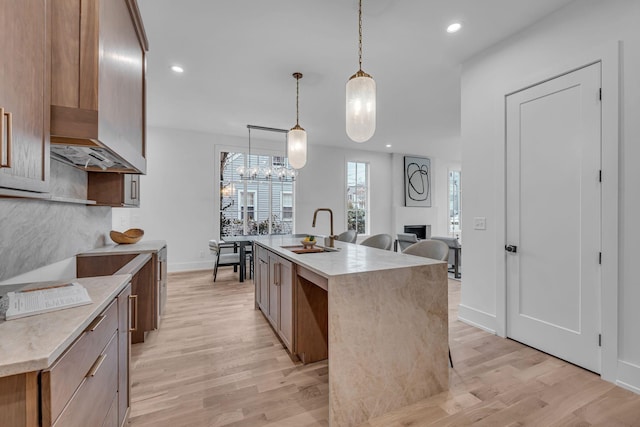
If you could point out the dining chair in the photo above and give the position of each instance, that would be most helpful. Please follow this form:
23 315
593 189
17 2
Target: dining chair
349 236
380 241
406 239
434 249
226 259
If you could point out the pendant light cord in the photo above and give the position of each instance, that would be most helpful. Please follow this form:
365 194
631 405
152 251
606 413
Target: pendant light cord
297 96
360 35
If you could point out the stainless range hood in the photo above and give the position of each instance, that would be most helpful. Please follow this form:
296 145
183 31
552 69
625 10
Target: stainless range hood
90 158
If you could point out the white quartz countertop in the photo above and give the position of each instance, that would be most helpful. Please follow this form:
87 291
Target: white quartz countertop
33 343
349 259
134 248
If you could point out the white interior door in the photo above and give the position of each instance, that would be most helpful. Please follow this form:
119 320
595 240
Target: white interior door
554 216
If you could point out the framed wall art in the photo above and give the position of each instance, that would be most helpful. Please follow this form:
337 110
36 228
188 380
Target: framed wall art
417 182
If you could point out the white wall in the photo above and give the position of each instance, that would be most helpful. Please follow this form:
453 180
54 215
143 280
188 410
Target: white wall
179 197
524 59
322 183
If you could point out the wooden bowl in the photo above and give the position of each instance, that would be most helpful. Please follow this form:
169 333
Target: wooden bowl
132 235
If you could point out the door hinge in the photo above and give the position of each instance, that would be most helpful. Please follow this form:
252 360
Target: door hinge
600 258
599 340
600 176
600 94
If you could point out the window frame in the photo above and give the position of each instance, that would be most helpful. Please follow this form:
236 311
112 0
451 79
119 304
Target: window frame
237 186
367 185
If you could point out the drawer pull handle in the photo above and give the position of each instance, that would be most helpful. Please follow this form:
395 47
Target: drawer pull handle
133 306
94 325
94 369
2 138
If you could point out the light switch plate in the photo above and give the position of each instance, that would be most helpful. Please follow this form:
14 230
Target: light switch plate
479 223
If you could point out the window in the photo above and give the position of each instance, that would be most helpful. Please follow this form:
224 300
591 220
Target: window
454 203
251 204
287 206
358 197
269 204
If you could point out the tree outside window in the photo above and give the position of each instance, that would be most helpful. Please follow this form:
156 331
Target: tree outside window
358 197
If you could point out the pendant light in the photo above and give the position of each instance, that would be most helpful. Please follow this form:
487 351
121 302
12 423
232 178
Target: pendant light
297 137
361 98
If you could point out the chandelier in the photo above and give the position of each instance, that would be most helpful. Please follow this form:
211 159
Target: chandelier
272 172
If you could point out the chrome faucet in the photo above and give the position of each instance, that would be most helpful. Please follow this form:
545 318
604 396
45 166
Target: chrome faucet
313 224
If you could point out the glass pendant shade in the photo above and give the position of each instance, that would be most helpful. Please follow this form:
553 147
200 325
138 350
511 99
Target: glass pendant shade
361 107
297 147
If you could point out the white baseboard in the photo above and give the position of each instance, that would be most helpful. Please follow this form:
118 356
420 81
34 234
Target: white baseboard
477 318
189 266
629 376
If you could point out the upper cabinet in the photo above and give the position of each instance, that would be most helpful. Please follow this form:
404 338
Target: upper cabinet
98 84
24 95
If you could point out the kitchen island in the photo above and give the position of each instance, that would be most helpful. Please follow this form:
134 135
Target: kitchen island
380 317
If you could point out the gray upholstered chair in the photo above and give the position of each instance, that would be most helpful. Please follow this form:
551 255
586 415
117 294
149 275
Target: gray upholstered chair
349 236
223 259
455 248
380 241
405 240
434 249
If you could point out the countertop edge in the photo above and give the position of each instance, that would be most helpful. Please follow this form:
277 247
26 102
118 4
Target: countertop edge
42 361
134 248
361 259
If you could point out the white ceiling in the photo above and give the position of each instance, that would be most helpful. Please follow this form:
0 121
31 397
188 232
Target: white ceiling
239 55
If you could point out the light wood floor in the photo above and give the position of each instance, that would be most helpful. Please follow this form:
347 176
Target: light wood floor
216 362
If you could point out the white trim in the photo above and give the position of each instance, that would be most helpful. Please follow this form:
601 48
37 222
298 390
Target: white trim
477 318
608 54
629 376
174 267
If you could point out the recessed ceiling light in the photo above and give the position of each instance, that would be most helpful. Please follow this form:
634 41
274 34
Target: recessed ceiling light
177 69
388 145
454 28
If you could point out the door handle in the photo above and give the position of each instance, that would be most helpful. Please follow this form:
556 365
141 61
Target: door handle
133 306
511 248
134 189
8 133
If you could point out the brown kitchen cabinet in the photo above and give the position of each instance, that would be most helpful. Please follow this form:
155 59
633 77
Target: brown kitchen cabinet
98 97
148 268
274 293
89 384
24 95
114 189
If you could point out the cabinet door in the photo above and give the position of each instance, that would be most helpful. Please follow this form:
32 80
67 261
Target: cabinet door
285 283
162 281
132 190
262 279
274 291
24 95
124 354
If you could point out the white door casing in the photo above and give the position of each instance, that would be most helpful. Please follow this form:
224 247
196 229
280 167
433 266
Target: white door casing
553 204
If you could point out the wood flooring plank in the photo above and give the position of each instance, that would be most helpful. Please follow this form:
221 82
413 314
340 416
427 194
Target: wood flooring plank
215 361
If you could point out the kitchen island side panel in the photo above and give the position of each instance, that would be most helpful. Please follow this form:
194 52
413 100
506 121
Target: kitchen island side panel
388 341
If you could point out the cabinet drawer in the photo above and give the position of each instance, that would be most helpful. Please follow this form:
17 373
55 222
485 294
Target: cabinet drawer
63 378
90 404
